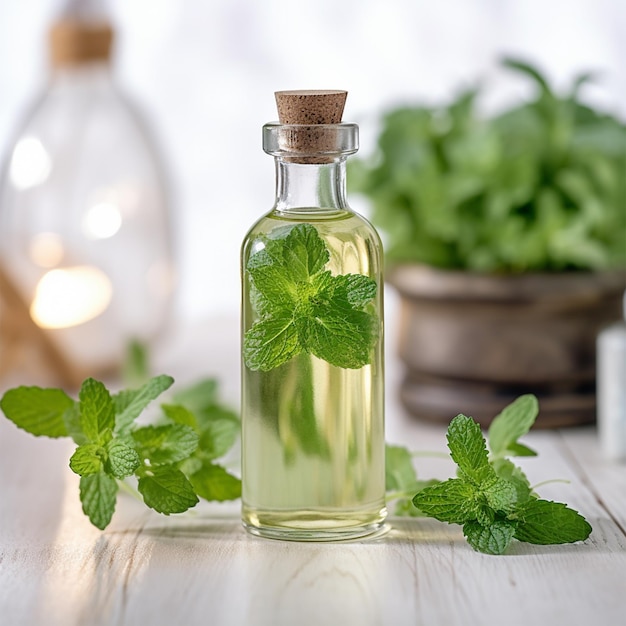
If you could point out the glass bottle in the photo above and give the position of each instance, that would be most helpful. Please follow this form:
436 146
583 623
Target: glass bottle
611 389
84 228
312 338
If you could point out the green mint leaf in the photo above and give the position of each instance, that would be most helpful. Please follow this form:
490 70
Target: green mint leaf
400 474
451 501
136 369
213 482
87 459
135 402
404 505
71 417
304 308
468 449
198 396
492 539
97 413
166 444
167 490
506 469
218 437
519 449
305 253
180 415
270 342
37 411
333 328
122 460
97 494
513 422
500 494
546 522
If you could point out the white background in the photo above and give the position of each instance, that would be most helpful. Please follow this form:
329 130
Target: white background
204 73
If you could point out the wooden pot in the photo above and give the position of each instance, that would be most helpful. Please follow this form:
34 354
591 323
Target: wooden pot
472 343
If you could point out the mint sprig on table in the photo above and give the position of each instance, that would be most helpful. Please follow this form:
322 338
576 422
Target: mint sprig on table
174 461
302 307
490 497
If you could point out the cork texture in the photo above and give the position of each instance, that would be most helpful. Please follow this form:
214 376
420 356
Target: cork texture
310 107
313 110
74 42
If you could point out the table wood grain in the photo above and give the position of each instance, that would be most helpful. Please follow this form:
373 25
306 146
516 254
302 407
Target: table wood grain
202 568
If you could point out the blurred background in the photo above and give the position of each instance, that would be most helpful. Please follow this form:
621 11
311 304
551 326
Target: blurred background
203 74
199 78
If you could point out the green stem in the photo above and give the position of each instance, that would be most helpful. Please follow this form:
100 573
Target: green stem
552 480
124 486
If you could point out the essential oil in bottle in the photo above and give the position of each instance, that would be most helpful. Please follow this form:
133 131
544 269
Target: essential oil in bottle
312 339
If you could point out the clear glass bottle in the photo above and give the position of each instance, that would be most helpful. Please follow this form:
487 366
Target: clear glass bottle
312 337
85 238
611 389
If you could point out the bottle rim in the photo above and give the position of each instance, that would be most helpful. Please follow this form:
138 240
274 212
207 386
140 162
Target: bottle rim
310 143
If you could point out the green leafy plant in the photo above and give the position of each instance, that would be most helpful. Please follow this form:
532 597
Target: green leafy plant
490 496
174 460
302 307
540 187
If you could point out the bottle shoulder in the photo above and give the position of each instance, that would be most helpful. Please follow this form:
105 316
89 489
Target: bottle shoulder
352 242
343 222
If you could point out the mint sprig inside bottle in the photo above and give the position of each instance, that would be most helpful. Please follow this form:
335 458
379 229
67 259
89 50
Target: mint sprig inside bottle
312 339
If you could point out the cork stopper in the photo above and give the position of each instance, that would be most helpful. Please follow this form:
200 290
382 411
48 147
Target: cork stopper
73 42
310 107
310 128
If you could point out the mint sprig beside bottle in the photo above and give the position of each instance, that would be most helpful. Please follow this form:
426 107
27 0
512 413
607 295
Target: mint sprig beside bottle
302 307
173 461
491 497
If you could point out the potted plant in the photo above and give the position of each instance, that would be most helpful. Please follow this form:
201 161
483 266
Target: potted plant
506 240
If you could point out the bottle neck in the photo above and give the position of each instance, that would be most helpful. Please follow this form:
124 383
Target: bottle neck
92 76
310 187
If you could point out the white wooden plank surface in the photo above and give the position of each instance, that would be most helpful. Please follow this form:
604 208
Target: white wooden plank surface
202 568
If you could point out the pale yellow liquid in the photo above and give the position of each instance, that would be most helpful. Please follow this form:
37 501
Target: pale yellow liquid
313 457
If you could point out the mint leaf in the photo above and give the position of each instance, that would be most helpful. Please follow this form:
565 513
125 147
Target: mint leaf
504 468
332 327
510 424
197 396
87 459
97 414
270 342
180 415
500 494
547 522
519 449
468 449
71 417
97 494
166 444
213 482
167 490
135 402
492 539
400 474
306 254
451 501
37 411
218 437
303 308
122 460
136 369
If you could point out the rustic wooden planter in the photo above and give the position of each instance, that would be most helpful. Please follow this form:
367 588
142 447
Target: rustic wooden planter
471 343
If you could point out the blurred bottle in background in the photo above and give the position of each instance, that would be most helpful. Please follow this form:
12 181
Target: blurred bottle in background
85 239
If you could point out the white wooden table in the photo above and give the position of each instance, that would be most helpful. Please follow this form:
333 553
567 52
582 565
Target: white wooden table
202 568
